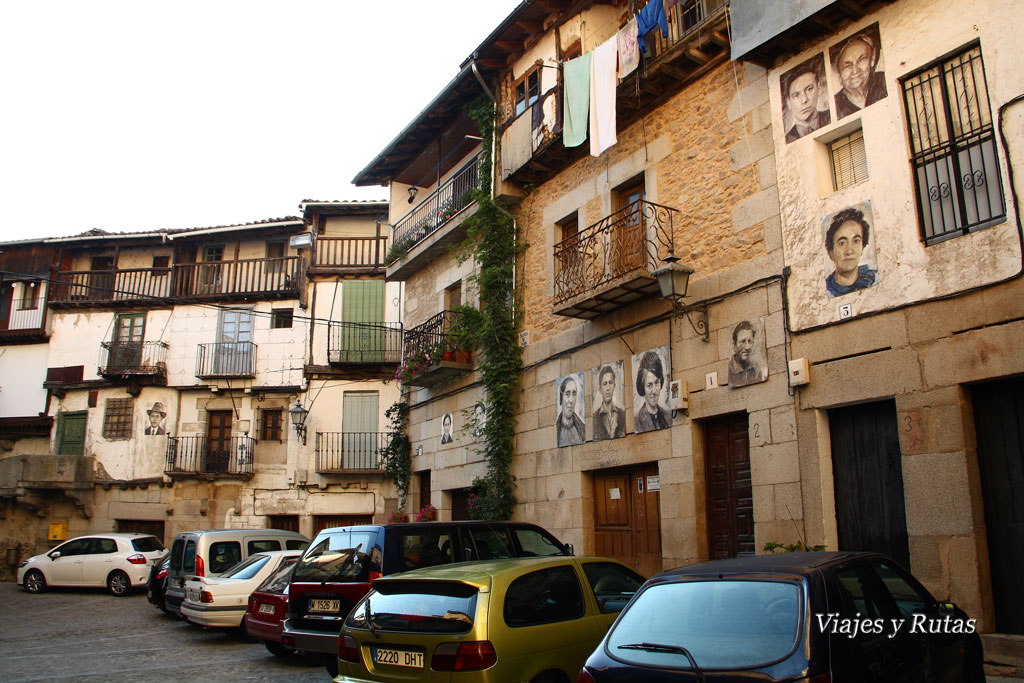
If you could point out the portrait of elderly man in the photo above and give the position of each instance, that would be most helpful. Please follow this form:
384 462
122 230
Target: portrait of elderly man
856 63
804 98
650 381
570 428
846 237
609 417
747 364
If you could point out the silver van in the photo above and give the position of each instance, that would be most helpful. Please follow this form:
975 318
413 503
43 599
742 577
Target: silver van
211 552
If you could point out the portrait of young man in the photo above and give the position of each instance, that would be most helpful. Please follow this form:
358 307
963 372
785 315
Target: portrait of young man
609 414
570 427
857 67
447 429
804 98
748 364
847 236
479 419
651 377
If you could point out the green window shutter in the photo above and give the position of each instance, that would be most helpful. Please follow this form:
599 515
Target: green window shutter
71 434
362 315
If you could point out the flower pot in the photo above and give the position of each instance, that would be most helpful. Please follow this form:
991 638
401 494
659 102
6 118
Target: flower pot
461 356
448 355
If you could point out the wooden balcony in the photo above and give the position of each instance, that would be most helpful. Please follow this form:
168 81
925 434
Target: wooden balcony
133 360
24 322
198 456
266 278
349 255
120 287
347 452
610 264
224 360
430 356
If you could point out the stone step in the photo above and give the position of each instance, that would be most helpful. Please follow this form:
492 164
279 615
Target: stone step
1004 656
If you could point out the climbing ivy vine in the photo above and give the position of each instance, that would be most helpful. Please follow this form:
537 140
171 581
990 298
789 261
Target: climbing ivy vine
397 455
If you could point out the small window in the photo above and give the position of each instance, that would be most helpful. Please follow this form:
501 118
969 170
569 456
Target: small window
453 296
30 298
263 546
544 597
281 318
849 162
527 91
223 555
214 253
270 427
117 418
161 261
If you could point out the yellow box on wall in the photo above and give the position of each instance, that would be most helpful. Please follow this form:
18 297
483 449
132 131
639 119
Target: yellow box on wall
58 531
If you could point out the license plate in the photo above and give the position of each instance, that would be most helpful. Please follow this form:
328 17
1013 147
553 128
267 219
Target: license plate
330 606
398 657
266 608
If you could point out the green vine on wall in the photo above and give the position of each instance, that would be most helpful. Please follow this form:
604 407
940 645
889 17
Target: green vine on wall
397 454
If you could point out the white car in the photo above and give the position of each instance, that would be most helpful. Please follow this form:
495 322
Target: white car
121 562
222 600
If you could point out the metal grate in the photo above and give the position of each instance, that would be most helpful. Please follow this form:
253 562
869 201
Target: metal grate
117 418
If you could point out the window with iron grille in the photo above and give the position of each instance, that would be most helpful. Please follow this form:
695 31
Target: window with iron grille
270 426
956 169
117 418
849 162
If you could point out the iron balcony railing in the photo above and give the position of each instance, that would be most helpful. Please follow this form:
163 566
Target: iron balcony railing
349 342
350 252
347 451
226 359
202 455
125 284
432 338
441 206
121 358
249 276
633 239
25 314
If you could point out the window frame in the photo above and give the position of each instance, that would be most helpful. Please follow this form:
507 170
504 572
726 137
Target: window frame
836 147
118 418
272 429
280 316
527 100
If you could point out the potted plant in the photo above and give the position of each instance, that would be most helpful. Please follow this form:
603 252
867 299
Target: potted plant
462 335
427 513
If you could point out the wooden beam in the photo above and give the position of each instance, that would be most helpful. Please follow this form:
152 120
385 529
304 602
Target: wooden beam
696 56
719 38
509 45
530 26
674 72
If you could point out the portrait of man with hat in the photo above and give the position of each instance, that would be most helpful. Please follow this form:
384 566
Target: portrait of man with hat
157 415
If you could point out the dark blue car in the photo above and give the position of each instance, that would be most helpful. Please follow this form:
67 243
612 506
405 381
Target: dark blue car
826 617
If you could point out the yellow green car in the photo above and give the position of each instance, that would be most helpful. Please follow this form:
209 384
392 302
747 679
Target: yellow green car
534 619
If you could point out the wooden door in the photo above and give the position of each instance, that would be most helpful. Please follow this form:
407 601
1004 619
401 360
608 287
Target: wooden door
71 433
867 468
129 332
730 499
628 237
999 423
627 517
101 280
218 441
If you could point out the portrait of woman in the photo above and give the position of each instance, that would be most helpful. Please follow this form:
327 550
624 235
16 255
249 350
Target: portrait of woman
850 250
650 381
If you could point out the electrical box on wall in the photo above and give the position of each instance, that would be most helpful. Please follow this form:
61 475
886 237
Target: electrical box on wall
799 372
58 532
678 396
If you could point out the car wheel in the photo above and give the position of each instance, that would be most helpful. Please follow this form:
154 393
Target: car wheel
277 649
550 677
119 584
332 665
34 581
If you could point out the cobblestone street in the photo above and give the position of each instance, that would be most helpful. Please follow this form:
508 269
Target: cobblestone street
89 635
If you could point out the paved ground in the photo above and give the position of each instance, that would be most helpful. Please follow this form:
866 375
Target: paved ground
89 635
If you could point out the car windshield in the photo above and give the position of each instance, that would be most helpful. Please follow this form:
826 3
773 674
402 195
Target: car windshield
417 607
147 544
339 556
278 581
247 568
723 624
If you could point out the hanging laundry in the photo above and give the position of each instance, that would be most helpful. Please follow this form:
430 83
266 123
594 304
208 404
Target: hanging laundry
653 14
602 96
629 55
576 73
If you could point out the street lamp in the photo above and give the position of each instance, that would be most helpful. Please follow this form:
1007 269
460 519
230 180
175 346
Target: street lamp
298 415
673 281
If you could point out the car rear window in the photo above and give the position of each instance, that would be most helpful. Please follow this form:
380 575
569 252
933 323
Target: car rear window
263 546
534 542
296 544
147 544
224 555
340 556
247 568
188 563
723 624
417 607
278 581
177 549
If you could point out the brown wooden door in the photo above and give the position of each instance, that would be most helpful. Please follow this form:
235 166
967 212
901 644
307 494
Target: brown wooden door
730 500
627 517
218 441
628 237
101 280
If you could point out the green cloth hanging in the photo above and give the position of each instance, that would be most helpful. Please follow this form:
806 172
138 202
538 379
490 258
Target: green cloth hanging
577 100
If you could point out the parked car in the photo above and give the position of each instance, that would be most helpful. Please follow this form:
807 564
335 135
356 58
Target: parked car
267 609
826 616
523 619
157 583
211 552
336 571
121 562
221 601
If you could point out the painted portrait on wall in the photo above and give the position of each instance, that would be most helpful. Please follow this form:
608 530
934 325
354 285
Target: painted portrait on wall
858 72
652 372
749 361
156 420
447 428
804 98
479 419
609 417
850 261
570 423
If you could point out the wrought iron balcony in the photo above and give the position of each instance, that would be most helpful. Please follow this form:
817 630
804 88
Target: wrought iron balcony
133 359
350 451
226 359
431 354
364 343
349 253
609 264
195 455
266 277
125 285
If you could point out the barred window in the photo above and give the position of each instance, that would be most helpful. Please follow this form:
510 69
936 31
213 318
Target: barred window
849 161
117 418
956 169
270 426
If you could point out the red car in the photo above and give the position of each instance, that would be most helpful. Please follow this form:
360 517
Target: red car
268 607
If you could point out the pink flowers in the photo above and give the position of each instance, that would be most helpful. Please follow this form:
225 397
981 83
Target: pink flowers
428 513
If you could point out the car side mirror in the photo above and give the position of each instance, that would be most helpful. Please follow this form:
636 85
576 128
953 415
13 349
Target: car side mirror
569 550
55 554
946 608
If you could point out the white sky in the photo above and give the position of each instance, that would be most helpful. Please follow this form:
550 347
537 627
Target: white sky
131 116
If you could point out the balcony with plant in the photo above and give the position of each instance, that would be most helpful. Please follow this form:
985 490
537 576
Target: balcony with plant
437 350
